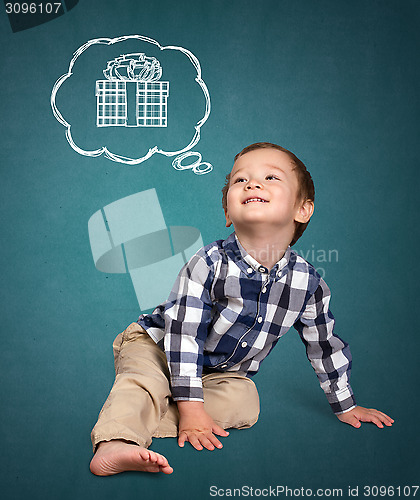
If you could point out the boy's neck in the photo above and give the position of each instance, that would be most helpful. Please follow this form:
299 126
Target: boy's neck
266 247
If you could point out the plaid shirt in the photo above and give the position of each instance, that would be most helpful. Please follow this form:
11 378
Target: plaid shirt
226 312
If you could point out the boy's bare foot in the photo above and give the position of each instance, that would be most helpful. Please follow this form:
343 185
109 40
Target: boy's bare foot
116 456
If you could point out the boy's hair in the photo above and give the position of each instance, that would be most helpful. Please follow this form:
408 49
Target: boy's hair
306 186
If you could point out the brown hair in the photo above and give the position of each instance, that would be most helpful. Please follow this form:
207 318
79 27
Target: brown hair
306 185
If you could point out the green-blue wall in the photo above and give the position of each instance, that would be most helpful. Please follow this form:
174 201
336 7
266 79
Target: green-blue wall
332 80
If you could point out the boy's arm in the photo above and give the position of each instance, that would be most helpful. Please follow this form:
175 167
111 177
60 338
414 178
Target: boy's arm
331 359
187 318
329 355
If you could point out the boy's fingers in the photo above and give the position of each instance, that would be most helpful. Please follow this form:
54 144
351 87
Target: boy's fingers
384 418
351 420
376 420
359 415
388 422
219 430
207 443
182 438
194 441
381 415
379 418
215 441
200 441
387 417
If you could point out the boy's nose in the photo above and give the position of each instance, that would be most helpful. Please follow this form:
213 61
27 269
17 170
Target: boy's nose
253 184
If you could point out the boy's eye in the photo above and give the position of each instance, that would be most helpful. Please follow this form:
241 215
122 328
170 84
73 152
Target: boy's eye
271 177
239 179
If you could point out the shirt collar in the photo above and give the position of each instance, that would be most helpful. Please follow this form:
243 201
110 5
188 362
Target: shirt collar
236 252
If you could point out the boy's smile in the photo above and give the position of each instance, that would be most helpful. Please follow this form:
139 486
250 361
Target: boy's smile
263 190
252 200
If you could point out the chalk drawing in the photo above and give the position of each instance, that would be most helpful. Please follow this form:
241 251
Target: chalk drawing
178 165
151 100
130 236
143 73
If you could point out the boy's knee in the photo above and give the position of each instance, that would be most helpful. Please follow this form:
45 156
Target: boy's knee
232 401
135 352
248 405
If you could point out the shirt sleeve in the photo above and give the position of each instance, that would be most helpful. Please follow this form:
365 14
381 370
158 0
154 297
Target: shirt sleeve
329 355
187 318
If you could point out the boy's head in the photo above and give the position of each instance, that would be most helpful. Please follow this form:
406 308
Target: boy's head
294 185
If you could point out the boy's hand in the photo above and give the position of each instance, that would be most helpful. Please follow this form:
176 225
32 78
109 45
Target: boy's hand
359 414
197 427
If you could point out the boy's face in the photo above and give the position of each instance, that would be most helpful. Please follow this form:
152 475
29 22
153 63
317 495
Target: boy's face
263 189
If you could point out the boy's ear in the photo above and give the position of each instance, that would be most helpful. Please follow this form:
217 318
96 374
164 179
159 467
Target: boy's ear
305 211
228 221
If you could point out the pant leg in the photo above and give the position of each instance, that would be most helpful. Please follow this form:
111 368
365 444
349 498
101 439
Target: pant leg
140 395
230 398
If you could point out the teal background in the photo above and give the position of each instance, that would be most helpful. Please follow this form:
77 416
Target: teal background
334 81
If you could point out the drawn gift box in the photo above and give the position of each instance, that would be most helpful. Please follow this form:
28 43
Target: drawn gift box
132 95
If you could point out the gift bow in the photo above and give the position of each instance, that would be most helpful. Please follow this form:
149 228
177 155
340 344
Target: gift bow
134 67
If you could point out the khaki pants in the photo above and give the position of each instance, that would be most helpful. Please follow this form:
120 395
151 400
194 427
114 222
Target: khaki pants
140 405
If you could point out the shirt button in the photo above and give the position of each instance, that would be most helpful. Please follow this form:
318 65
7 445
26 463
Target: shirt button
244 344
259 319
249 270
264 290
262 269
223 366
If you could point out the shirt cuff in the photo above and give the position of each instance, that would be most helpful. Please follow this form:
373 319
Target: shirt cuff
187 389
341 401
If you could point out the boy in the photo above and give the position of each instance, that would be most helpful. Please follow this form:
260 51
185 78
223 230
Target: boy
185 369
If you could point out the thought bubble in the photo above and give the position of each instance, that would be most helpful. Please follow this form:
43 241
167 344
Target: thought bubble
108 78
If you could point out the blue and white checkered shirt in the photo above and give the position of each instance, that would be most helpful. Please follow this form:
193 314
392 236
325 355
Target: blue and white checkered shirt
226 312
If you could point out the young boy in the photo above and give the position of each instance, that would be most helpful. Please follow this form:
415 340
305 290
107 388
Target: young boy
185 369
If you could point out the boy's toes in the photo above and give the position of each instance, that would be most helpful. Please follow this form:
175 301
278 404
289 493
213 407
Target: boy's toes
166 469
161 460
154 458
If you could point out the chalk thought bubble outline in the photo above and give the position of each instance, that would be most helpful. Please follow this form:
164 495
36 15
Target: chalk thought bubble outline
104 150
